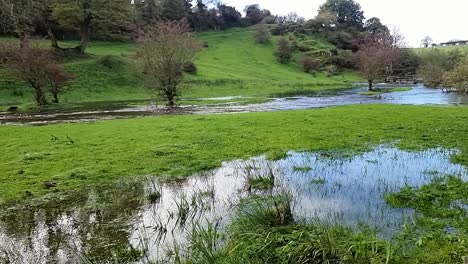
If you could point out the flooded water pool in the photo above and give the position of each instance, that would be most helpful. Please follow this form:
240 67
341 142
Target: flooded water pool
418 95
154 216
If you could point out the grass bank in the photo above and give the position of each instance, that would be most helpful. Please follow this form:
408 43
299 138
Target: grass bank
78 155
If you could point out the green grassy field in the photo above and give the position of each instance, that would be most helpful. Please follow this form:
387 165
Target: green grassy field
77 155
108 153
232 65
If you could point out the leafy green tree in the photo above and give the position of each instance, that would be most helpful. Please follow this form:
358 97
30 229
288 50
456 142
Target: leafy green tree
284 51
254 14
18 16
348 13
408 64
87 15
174 9
230 16
457 78
324 22
435 63
376 29
146 12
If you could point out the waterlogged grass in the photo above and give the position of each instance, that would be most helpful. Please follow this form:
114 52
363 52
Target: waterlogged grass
440 232
386 90
277 238
79 155
262 182
232 65
265 232
400 89
441 204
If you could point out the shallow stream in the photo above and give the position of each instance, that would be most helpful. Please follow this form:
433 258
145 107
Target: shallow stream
419 95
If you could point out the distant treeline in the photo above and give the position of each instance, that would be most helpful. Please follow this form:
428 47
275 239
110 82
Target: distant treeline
341 22
115 20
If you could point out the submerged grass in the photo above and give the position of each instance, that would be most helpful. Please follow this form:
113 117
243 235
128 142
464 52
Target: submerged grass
386 90
440 232
265 232
173 145
258 235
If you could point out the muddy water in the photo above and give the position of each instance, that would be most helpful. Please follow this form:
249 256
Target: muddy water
326 188
419 95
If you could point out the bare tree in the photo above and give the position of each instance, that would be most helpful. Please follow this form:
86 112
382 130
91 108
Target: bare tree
165 50
59 80
376 57
426 41
37 67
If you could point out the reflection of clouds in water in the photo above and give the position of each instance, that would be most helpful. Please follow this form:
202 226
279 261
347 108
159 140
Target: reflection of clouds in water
31 249
351 192
347 190
57 239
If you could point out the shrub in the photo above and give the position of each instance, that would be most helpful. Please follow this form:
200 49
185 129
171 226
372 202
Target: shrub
457 79
341 59
262 35
284 51
309 64
271 20
331 70
277 30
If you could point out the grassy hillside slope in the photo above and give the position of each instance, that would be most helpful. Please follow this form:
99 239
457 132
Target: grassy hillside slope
232 65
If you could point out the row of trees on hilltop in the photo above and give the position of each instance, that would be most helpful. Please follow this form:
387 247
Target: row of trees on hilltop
114 20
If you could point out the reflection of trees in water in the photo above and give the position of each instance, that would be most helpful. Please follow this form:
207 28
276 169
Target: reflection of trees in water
92 224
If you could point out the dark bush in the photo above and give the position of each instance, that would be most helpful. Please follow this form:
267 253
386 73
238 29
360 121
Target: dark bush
309 64
190 68
271 20
111 62
284 51
341 59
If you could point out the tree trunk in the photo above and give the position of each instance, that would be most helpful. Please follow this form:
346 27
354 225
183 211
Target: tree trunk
85 32
371 85
55 98
24 41
171 103
53 39
39 95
